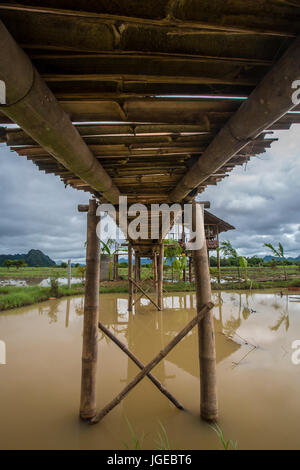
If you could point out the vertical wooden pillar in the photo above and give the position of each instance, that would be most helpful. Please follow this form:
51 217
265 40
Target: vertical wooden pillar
136 261
218 257
160 276
154 266
190 268
139 268
206 336
116 267
130 284
91 314
69 274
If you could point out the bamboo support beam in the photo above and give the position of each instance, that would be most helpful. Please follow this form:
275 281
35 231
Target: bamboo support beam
156 382
270 100
160 272
91 313
190 269
32 106
116 267
158 358
130 297
154 267
69 274
218 257
206 336
144 293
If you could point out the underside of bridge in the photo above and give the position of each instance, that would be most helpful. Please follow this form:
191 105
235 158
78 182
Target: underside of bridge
153 100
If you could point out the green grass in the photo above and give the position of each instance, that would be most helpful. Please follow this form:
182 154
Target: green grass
14 297
28 272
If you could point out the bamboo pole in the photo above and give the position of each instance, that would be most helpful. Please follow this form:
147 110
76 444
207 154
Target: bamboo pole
28 95
268 102
206 336
145 294
69 274
91 313
156 382
139 268
190 268
218 257
142 295
135 271
158 358
130 298
160 272
155 271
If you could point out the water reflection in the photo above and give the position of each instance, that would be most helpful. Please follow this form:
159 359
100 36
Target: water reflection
44 359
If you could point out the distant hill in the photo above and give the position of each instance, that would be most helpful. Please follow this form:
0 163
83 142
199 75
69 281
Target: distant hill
269 258
143 260
32 258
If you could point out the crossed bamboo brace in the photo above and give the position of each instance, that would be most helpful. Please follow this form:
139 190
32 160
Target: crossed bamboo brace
145 370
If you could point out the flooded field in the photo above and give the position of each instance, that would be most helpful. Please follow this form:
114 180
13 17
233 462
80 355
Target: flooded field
258 383
37 281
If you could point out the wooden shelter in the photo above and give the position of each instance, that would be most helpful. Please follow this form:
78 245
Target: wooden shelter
153 100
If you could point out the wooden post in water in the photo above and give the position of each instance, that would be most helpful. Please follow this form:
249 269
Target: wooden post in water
116 266
136 275
139 268
130 285
154 266
218 257
91 313
160 276
206 336
190 268
69 274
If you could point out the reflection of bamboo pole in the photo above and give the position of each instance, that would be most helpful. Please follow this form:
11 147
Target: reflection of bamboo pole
140 365
91 312
206 336
145 371
68 313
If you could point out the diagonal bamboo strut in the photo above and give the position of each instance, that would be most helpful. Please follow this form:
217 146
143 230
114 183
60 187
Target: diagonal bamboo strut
144 293
202 312
140 365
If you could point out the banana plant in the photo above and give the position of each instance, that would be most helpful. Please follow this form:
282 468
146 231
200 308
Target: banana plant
244 265
179 264
278 253
111 247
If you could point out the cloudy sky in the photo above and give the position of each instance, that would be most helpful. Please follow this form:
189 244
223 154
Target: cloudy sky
261 200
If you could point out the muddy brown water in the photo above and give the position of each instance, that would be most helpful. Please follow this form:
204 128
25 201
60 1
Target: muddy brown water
258 387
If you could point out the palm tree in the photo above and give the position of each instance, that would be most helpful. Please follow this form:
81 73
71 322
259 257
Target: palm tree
278 254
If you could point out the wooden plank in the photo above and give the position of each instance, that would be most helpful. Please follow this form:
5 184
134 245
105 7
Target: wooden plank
267 17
